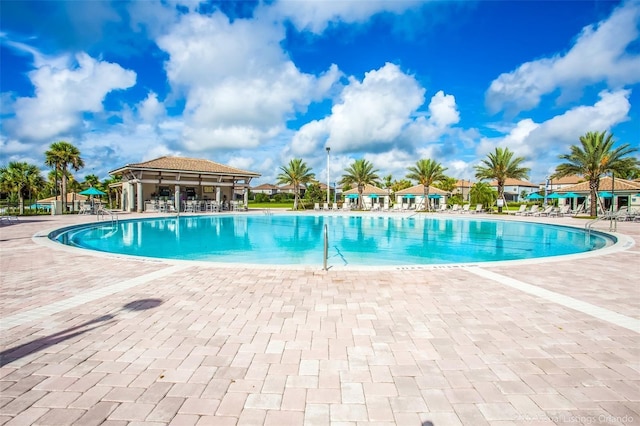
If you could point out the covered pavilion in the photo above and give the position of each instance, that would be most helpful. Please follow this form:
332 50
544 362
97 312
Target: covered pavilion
176 179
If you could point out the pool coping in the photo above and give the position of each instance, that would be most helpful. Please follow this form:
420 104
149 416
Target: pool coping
622 242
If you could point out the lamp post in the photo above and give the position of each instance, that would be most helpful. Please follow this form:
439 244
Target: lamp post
328 180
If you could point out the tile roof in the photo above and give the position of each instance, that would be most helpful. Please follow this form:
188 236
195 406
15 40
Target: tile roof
70 197
514 182
566 180
419 190
264 186
188 164
605 185
368 190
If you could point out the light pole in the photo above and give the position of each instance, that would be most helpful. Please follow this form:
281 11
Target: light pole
328 180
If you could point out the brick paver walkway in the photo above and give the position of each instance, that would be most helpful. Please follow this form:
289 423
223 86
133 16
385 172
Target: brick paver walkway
88 340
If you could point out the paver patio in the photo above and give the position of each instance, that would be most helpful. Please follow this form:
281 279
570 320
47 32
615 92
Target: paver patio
88 339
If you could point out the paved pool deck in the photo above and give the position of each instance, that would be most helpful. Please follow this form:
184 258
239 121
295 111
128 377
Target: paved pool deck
88 339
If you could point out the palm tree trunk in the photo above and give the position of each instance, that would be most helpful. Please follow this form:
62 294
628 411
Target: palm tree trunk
360 200
21 202
295 199
427 202
64 190
593 189
500 196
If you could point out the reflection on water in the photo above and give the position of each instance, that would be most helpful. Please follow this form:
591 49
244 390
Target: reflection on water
291 239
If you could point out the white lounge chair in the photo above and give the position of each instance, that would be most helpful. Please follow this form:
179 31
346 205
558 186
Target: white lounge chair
455 208
478 209
316 206
546 212
334 207
465 209
533 210
521 210
561 211
325 206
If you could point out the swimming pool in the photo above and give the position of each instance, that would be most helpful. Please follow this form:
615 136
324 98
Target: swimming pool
353 240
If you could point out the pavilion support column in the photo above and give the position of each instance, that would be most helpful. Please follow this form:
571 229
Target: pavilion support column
140 197
218 195
176 200
130 197
246 197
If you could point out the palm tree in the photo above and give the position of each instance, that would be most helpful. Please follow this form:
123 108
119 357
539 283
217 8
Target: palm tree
360 173
500 165
426 172
21 178
296 174
595 157
61 155
112 191
92 181
482 193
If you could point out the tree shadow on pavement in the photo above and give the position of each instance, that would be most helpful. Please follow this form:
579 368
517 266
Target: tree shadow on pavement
9 355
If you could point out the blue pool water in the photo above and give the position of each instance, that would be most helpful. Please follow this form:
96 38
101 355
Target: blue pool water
353 240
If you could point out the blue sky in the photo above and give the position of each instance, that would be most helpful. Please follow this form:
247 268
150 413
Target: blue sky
254 84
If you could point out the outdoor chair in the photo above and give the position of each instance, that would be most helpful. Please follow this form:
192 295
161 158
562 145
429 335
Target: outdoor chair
316 206
465 209
532 211
334 207
520 211
478 209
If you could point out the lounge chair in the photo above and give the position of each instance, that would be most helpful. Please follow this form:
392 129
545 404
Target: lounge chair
334 207
561 211
465 209
316 206
523 208
455 208
85 209
442 208
478 209
533 210
546 212
325 206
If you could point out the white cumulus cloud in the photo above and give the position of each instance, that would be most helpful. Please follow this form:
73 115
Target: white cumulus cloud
600 54
63 93
316 15
239 84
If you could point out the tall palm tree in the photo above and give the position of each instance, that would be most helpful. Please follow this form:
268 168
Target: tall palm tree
360 173
501 165
21 178
593 158
62 155
92 180
295 174
111 192
427 172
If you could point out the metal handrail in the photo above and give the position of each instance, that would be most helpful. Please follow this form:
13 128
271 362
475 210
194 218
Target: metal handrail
326 247
101 214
